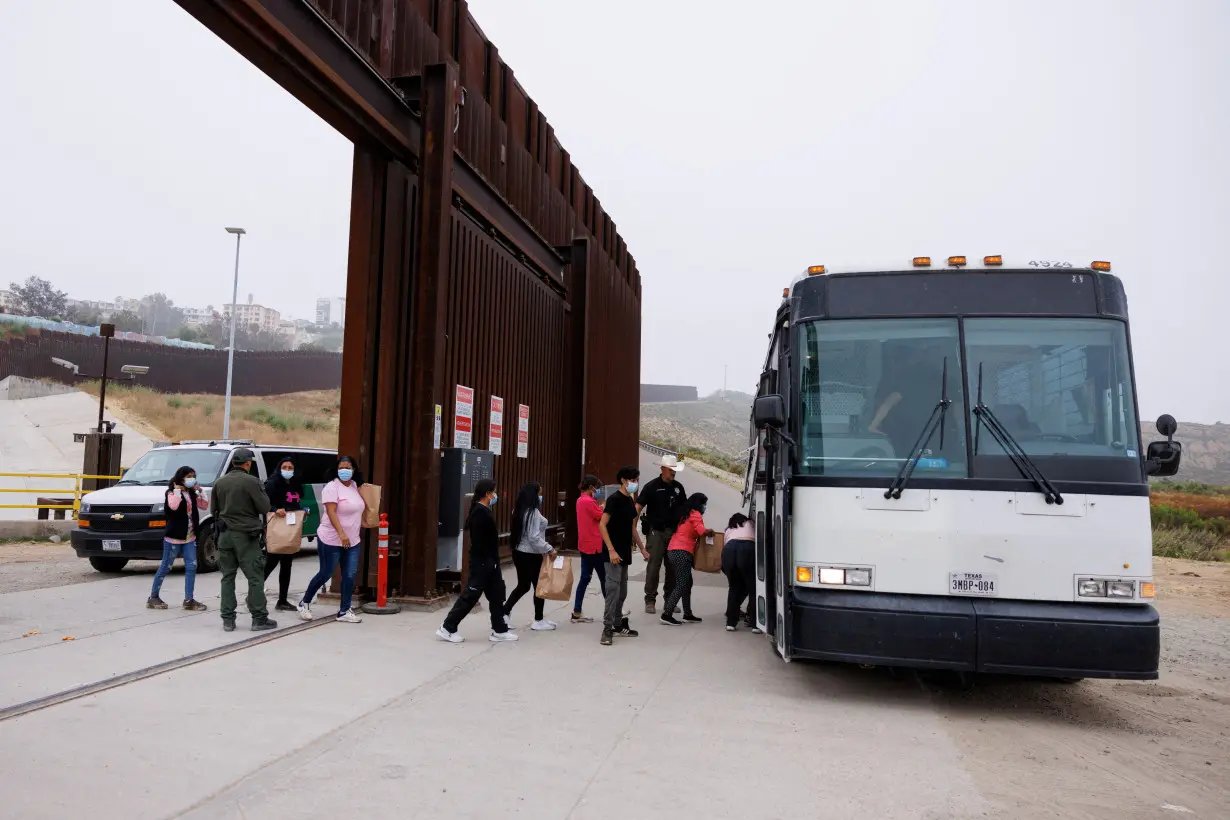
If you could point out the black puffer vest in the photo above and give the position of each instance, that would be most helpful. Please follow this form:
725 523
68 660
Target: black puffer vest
177 520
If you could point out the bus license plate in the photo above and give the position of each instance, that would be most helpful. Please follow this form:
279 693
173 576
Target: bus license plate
111 546
972 583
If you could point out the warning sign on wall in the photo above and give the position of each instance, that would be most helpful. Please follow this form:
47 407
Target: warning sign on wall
463 418
495 429
523 431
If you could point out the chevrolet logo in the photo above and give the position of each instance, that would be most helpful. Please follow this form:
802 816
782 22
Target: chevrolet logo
117 517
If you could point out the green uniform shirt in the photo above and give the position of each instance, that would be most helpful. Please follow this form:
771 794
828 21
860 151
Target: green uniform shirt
240 501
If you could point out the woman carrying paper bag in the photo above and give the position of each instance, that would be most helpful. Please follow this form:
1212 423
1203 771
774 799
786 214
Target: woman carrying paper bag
284 529
529 540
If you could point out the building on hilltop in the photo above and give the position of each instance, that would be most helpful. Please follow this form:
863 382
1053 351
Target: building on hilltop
331 310
265 319
200 316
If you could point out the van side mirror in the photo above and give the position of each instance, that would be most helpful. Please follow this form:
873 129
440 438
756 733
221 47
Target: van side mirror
1163 457
769 411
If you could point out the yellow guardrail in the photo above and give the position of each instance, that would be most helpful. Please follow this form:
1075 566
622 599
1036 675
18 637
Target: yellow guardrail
75 491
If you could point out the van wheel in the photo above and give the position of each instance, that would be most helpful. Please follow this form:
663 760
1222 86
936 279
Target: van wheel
103 563
207 550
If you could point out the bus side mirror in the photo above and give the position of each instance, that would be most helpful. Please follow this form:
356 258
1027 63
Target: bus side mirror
769 411
1163 457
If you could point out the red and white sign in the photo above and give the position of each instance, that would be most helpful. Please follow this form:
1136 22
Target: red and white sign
495 430
523 431
463 418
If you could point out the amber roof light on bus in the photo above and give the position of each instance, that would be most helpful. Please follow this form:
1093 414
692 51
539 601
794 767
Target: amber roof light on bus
815 270
992 261
922 261
956 261
1102 266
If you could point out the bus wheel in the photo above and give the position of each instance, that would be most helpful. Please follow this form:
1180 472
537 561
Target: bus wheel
103 563
207 550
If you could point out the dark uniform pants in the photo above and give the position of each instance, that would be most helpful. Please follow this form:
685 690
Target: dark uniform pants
482 581
242 551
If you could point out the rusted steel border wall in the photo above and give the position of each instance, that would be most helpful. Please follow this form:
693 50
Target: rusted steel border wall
478 256
171 369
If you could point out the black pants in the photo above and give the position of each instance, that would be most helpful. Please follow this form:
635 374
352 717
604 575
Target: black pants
528 565
482 581
284 561
739 567
681 560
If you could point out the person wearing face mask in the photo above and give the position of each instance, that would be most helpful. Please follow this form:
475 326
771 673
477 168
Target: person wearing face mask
184 504
285 493
690 526
589 544
618 527
337 538
240 504
485 578
529 539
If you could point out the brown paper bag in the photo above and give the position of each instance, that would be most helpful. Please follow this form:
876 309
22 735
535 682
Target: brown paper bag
281 537
555 584
371 513
708 557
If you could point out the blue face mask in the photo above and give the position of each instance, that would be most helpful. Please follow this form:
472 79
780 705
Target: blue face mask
345 474
494 498
288 474
540 501
633 487
703 507
190 482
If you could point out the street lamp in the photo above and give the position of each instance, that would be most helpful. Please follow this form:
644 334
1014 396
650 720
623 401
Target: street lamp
129 371
230 356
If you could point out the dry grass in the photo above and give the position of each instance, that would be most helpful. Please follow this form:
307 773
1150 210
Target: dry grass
303 419
1185 542
1206 506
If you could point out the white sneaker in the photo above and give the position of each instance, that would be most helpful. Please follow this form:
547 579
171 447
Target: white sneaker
305 612
452 637
503 637
541 626
349 617
730 629
757 630
508 622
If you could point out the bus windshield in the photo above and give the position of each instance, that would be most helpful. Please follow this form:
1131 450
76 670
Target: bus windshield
869 389
158 466
1060 387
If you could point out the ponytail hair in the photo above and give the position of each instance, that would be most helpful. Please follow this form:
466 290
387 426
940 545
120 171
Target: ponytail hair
482 489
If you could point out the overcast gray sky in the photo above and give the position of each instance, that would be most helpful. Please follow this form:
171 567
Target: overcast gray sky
733 144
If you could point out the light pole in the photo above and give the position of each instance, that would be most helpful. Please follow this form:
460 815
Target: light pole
230 356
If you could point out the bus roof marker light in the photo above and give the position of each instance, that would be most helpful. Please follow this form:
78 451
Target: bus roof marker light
922 261
956 261
1104 267
815 270
992 261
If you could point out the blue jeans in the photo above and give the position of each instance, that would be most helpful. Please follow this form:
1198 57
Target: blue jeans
589 565
169 553
330 556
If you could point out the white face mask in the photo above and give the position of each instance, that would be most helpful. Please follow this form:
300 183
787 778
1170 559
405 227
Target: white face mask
190 482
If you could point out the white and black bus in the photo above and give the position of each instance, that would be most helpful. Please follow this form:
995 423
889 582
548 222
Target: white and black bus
949 475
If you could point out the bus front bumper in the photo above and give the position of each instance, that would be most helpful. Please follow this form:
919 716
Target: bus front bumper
1039 638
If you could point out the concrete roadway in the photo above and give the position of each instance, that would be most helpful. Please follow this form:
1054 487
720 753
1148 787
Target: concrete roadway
379 719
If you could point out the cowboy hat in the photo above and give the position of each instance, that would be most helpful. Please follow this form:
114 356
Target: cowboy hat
672 463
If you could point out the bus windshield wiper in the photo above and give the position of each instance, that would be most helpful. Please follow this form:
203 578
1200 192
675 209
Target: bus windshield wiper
935 421
129 481
1012 447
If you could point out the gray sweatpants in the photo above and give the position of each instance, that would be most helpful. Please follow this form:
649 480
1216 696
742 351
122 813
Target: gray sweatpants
616 594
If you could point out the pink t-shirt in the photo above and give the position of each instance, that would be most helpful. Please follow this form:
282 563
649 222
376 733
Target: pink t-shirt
350 508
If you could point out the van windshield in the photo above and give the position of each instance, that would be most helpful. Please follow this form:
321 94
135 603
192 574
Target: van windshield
157 467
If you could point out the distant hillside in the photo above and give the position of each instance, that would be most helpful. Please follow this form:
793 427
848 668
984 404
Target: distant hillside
713 424
720 425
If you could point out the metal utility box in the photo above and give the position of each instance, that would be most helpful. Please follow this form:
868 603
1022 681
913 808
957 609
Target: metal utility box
102 457
460 470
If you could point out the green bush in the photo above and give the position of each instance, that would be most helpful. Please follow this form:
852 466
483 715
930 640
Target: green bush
1186 542
1164 516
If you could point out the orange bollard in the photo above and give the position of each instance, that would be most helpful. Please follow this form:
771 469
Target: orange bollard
381 606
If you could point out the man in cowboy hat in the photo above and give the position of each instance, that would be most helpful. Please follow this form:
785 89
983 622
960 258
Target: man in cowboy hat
658 498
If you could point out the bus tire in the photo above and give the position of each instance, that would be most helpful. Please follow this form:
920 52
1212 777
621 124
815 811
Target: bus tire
103 563
207 549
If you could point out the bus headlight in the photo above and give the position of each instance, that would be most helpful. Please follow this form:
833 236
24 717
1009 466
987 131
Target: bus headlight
858 577
832 575
1091 588
1121 589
